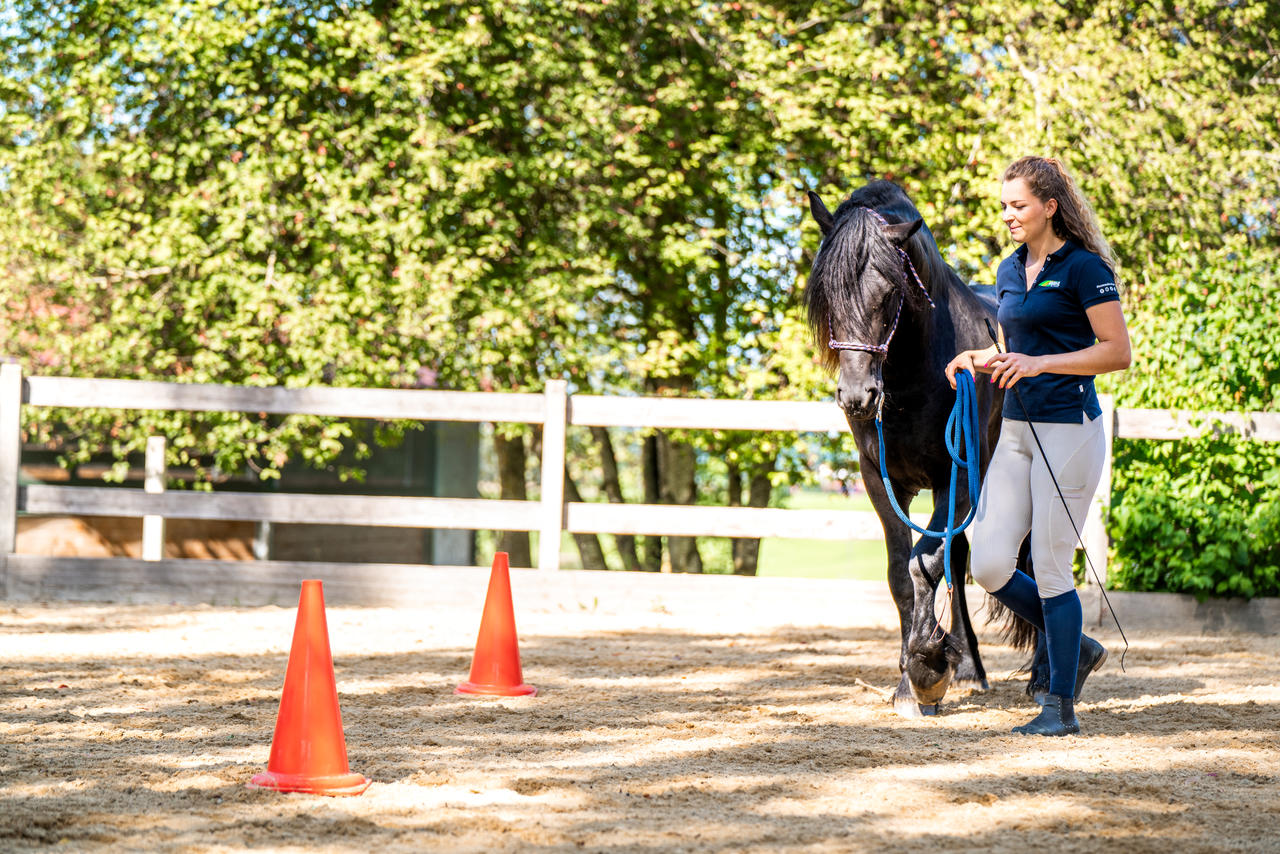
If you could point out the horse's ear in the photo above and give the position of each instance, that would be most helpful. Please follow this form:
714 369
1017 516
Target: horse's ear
900 232
820 213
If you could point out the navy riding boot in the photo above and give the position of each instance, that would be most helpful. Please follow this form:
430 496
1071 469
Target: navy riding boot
1021 596
1057 717
1092 656
1063 620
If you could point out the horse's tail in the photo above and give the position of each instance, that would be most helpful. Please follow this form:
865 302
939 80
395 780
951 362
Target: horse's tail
1014 631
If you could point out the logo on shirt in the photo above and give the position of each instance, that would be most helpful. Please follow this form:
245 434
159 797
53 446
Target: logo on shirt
1107 289
1050 283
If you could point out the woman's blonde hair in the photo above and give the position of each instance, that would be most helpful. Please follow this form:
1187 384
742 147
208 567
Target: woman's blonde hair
1074 220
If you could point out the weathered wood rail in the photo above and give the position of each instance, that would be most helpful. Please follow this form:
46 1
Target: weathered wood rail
554 409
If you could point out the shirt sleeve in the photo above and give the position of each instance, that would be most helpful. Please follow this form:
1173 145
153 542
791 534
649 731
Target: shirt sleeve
1095 284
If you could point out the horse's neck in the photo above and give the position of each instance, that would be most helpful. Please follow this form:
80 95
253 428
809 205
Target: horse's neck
908 358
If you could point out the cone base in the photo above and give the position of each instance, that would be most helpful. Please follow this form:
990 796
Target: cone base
335 785
521 690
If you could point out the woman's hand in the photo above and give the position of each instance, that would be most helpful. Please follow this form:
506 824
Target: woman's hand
962 362
1008 368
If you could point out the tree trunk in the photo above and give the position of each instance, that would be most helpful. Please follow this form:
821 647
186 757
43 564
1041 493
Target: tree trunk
588 544
746 550
613 490
512 458
678 467
735 500
652 553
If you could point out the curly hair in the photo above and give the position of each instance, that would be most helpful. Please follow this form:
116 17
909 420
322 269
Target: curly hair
1074 219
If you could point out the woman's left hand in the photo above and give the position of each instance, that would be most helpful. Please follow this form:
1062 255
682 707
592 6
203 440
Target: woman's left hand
1008 368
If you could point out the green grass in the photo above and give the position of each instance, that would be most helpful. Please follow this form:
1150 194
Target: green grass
864 559
779 558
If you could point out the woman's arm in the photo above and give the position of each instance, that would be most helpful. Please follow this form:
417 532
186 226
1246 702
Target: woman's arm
1111 353
971 361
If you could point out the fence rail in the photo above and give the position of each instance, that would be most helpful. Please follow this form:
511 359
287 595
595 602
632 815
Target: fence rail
554 409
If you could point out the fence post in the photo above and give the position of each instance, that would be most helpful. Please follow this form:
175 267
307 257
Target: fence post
1095 528
551 513
262 540
10 462
153 526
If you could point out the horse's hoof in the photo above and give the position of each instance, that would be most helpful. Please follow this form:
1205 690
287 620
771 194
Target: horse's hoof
930 711
905 707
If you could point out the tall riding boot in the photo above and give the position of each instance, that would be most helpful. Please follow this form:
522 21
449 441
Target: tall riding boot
1063 620
1092 656
1057 717
1021 596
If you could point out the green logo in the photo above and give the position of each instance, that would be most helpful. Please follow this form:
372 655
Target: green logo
1050 283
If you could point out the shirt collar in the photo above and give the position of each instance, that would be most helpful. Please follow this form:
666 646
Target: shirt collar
1058 254
1063 251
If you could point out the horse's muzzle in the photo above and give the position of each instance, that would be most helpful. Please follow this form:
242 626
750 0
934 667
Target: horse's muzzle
859 414
859 403
928 684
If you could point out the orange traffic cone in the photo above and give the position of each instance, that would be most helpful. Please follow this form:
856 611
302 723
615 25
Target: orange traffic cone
308 752
495 669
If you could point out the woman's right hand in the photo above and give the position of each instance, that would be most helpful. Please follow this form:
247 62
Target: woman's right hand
962 362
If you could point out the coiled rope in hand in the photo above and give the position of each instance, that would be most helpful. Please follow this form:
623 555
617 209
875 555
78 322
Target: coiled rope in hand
961 433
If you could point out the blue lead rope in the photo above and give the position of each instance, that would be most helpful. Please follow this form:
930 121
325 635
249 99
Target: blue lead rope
962 430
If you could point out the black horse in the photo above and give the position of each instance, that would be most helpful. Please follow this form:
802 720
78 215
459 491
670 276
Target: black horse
890 327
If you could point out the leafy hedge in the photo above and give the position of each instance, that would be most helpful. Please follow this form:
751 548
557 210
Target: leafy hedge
1197 516
1202 515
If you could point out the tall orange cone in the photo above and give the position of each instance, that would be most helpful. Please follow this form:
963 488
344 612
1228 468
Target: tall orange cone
495 670
308 752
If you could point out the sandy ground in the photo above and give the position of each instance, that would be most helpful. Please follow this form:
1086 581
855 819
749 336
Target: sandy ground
136 728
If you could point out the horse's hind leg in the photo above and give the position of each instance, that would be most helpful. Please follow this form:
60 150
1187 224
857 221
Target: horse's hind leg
969 671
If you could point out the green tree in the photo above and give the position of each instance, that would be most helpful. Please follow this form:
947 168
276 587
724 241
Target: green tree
489 195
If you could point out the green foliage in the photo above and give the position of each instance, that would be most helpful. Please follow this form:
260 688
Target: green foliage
485 196
1197 516
1200 515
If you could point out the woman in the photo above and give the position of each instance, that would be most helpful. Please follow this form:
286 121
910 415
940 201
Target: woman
1060 325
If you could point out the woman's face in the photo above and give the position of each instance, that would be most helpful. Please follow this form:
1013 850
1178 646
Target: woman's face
1026 216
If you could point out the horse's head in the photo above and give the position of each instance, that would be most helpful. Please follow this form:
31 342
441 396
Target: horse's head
856 294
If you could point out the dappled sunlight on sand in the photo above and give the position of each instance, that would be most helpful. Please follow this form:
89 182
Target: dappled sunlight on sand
138 726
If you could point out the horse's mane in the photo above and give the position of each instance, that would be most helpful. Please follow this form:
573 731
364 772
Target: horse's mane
855 243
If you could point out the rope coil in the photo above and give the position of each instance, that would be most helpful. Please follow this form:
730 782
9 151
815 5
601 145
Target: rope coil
961 434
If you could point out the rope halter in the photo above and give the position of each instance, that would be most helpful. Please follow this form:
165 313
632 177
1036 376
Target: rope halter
882 349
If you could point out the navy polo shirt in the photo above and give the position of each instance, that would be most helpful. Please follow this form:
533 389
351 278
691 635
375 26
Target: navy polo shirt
1048 318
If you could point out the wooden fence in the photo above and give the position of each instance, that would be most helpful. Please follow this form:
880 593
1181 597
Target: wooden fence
550 516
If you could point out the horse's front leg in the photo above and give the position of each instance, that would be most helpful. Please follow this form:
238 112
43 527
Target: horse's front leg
897 541
929 562
934 654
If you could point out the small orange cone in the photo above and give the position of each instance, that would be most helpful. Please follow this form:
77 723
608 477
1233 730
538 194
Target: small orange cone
308 752
495 670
